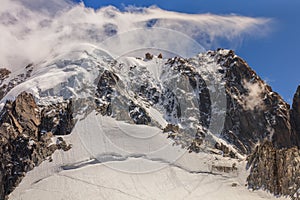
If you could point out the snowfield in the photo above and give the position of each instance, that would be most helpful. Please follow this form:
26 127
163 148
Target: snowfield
98 167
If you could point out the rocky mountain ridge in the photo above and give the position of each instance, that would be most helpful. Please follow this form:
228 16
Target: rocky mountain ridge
25 140
184 97
9 80
277 169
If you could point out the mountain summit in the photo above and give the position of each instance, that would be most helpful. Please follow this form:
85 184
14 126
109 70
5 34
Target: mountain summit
209 117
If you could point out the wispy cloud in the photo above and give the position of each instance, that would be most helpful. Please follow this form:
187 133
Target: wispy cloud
32 29
254 99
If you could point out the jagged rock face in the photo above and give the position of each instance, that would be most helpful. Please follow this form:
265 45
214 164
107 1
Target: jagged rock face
254 111
4 74
22 145
57 119
27 114
197 82
105 88
6 86
275 170
296 111
138 114
278 169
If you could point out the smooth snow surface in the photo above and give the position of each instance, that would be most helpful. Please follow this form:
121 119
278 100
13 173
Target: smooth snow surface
105 164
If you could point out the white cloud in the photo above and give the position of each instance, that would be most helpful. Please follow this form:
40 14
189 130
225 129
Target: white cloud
254 98
32 29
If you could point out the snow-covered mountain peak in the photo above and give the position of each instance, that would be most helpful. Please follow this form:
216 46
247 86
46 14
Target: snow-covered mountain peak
144 114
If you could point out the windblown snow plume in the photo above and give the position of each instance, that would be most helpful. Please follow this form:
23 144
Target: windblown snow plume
32 30
254 98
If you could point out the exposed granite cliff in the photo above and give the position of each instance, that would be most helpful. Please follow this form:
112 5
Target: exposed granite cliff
277 169
9 81
22 143
295 114
254 111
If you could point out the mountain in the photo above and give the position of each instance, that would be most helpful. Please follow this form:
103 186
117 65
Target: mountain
168 127
277 169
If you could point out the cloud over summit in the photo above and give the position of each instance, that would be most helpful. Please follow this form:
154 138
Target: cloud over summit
33 29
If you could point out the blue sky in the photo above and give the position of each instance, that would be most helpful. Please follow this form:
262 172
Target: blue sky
274 57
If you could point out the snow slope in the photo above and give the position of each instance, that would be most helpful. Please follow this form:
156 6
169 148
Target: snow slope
76 174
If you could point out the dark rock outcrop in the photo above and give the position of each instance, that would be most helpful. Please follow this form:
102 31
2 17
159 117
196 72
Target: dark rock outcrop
197 82
148 56
57 118
171 128
225 150
22 145
278 169
138 114
275 170
296 111
105 88
254 111
254 114
13 81
4 74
